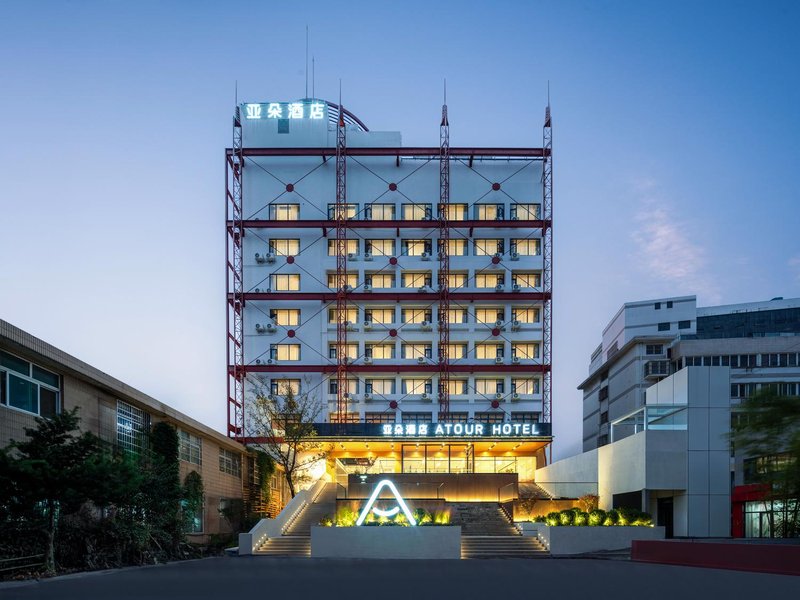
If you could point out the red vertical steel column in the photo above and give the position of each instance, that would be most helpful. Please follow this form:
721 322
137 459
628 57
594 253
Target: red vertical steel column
547 278
341 268
444 264
235 283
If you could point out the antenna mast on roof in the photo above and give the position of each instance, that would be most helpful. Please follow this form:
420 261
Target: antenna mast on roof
306 96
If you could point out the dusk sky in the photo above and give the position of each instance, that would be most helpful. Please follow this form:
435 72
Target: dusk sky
676 146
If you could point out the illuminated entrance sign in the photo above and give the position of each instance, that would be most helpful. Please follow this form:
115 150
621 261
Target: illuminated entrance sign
467 430
305 109
386 513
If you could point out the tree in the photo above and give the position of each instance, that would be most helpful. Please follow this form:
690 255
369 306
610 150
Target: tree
768 429
56 471
282 426
163 492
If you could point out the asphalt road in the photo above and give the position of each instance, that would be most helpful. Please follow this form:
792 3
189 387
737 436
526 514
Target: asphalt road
271 578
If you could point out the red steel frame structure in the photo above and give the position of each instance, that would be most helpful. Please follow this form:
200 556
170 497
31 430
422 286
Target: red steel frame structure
236 296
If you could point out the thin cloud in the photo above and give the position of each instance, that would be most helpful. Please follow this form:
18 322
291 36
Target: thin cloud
667 251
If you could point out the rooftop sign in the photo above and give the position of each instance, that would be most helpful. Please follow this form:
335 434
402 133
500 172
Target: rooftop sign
301 109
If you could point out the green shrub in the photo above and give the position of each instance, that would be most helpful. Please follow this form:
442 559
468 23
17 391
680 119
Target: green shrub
539 519
553 519
566 517
612 517
347 517
581 518
596 517
326 521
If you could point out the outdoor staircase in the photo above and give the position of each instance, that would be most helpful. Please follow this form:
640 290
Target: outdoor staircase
296 540
487 532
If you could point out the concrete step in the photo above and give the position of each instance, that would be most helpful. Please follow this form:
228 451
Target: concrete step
501 547
286 546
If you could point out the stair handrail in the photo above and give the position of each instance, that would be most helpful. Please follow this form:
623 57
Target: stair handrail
270 528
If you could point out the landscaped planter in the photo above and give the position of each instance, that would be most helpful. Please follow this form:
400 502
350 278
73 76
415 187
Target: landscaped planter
563 540
430 541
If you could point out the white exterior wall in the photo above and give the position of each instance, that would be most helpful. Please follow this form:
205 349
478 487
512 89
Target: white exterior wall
264 183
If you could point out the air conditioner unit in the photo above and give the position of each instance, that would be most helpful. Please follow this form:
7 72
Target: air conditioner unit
367 287
516 287
515 325
272 361
498 323
352 256
424 397
367 255
348 288
348 360
367 360
498 255
498 287
260 259
367 396
367 325
349 326
514 256
425 256
257 290
515 396
515 360
260 328
270 258
426 325
498 360
271 328
498 396
258 361
421 360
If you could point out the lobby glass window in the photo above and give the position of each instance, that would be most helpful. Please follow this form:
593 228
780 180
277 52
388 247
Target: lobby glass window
417 212
350 417
416 350
489 316
525 350
289 352
489 280
284 386
285 283
350 279
133 426
684 324
379 417
284 212
455 212
415 247
285 316
417 386
350 211
351 314
525 385
457 351
455 247
380 316
488 247
525 212
457 315
379 281
417 315
379 247
379 351
457 280
230 463
384 387
379 212
489 417
490 387
526 280
416 280
351 247
663 326
489 212
284 247
489 351
525 314
526 247
351 351
191 447
524 417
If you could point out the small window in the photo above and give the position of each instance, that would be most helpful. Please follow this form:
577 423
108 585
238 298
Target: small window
654 349
230 463
663 326
283 125
658 306
684 324
669 304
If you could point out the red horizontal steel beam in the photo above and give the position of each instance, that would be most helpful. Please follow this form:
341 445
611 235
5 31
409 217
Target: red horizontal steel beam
363 224
431 368
410 151
395 296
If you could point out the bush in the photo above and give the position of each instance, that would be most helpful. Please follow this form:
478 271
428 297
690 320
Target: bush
581 518
612 517
566 517
347 517
326 521
553 518
596 517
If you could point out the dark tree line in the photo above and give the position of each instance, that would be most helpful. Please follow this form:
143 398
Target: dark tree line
84 503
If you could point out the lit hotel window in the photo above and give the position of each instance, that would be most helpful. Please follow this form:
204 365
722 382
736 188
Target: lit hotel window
489 315
416 212
285 283
526 247
457 387
525 386
351 351
379 351
489 351
284 351
455 212
284 212
525 212
352 386
524 350
416 247
285 316
284 247
379 281
380 316
284 386
350 279
490 387
489 280
457 280
417 386
488 247
379 247
416 351
526 280
379 212
525 314
351 247
350 211
489 212
351 314
384 387
455 247
456 351
457 315
417 280
417 315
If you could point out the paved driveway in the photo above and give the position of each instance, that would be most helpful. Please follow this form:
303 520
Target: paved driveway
261 578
